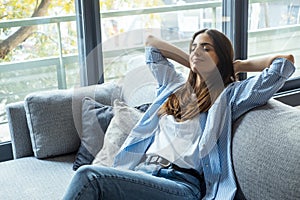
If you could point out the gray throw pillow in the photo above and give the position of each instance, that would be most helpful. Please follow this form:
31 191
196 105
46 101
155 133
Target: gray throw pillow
95 120
50 122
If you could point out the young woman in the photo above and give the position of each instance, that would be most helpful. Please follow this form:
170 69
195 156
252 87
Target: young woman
180 149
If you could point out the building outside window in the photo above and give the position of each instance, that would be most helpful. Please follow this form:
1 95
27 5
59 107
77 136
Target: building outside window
274 27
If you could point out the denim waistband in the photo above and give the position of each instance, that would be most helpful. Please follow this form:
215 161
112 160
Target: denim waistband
172 172
164 163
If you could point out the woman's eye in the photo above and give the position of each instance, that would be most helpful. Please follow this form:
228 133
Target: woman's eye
205 48
193 48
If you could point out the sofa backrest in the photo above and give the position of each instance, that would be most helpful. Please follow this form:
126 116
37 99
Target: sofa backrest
48 123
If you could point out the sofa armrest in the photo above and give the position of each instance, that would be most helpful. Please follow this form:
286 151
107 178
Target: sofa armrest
266 152
19 132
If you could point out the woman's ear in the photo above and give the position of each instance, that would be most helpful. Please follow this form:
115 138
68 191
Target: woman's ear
233 79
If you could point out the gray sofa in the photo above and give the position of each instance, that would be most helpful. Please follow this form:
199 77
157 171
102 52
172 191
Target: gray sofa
44 131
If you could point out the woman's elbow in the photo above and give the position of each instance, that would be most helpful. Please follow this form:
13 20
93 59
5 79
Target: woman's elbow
150 39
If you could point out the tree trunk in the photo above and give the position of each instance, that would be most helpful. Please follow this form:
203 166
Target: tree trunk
22 33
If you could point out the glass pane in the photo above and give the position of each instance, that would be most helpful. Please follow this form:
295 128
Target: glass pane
46 56
125 25
274 28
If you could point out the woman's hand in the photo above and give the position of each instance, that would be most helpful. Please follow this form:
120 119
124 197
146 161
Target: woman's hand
237 65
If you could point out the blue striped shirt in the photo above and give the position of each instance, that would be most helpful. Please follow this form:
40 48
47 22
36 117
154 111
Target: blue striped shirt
215 143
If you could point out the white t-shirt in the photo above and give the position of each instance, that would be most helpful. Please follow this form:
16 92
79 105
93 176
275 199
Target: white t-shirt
177 141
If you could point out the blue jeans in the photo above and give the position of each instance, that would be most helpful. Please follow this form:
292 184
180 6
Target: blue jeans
146 182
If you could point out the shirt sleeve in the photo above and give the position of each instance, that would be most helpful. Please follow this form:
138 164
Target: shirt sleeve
162 69
257 90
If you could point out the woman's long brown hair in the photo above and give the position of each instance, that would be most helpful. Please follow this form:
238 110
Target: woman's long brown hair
192 99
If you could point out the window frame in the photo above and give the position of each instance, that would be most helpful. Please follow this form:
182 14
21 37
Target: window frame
88 23
290 91
6 151
235 26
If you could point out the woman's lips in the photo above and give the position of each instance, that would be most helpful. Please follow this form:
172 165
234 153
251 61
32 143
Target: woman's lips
197 59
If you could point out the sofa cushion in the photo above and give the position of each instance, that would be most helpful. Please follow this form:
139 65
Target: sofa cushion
266 152
95 120
104 93
50 123
31 178
124 120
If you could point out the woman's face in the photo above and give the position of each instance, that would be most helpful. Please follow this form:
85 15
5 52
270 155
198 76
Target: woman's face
203 58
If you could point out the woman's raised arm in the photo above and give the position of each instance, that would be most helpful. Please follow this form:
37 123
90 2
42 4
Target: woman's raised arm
168 50
258 64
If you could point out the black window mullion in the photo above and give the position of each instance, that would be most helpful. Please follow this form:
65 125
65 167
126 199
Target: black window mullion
241 32
89 41
235 26
291 84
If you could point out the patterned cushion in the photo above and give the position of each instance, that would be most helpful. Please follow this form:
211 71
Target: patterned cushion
96 119
120 126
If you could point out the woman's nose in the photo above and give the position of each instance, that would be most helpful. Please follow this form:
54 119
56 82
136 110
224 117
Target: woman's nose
199 50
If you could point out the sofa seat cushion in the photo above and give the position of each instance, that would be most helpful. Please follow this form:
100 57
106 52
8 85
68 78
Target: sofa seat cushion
266 152
32 178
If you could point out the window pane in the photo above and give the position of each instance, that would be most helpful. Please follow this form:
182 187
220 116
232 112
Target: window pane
274 28
124 28
46 56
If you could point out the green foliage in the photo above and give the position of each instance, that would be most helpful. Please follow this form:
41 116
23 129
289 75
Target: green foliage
43 42
121 4
18 9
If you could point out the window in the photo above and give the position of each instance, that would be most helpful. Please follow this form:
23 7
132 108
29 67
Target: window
114 38
124 26
274 27
46 56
